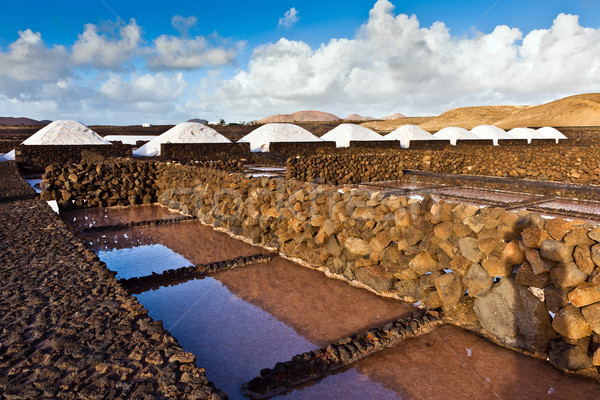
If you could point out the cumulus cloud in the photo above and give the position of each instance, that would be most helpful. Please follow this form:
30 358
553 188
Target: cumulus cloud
183 24
101 51
145 88
392 57
172 52
27 64
290 18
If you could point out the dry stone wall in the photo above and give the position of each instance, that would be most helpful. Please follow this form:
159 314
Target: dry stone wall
521 280
40 156
185 152
119 183
543 163
502 274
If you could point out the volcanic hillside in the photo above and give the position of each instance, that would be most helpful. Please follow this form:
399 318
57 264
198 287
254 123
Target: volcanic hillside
301 116
579 110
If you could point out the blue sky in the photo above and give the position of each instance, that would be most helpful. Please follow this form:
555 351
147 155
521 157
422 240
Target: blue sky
96 60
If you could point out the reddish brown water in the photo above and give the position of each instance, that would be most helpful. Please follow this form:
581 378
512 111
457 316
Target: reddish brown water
240 321
84 218
198 243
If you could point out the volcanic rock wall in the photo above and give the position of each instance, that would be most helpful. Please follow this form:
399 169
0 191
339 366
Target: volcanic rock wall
558 164
186 152
108 184
39 156
514 277
293 149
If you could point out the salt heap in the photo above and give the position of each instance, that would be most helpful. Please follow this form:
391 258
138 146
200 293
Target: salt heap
10 155
260 138
343 134
490 132
406 133
453 133
184 132
522 133
65 132
548 132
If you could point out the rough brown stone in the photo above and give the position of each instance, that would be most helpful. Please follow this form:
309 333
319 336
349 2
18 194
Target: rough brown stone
555 298
584 295
569 322
591 314
533 237
538 264
556 228
515 316
375 277
496 267
567 275
423 263
512 254
357 246
583 259
578 236
478 281
450 289
469 248
460 264
443 230
526 277
555 250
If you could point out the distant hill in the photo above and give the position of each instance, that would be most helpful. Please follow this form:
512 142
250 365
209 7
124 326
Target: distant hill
356 117
393 116
22 121
301 116
578 110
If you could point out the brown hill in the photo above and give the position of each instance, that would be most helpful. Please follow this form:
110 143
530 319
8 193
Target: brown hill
579 110
394 116
356 117
21 121
301 116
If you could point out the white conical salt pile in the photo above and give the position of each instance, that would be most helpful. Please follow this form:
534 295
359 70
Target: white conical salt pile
453 133
10 156
2 158
522 133
184 132
260 138
65 132
548 132
406 133
343 134
490 132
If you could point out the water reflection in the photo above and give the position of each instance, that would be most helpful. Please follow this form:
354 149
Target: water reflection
87 217
142 260
230 337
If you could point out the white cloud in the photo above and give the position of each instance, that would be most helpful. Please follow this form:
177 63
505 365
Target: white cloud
27 64
147 88
103 51
178 53
392 56
183 24
290 18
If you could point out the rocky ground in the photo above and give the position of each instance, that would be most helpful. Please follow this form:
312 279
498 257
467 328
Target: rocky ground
68 328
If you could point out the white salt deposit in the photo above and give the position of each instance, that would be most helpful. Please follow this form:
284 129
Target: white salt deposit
453 133
65 132
129 139
406 133
2 158
522 133
490 132
10 156
548 132
184 132
343 134
260 138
